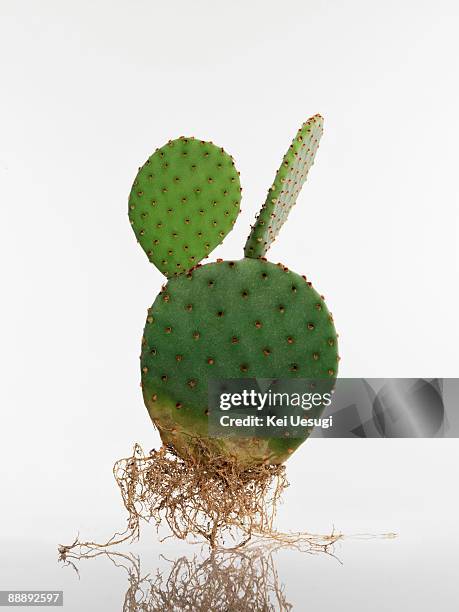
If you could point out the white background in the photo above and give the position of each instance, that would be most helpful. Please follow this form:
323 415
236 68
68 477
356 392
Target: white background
89 90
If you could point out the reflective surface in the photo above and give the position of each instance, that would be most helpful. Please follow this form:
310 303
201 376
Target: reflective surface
372 486
413 571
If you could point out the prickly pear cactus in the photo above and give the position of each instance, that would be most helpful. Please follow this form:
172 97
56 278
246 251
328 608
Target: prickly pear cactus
229 319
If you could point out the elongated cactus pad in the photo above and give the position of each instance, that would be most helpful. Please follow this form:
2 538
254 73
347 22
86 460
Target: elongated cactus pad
283 194
183 202
231 319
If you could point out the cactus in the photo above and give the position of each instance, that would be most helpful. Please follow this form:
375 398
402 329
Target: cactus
229 319
183 202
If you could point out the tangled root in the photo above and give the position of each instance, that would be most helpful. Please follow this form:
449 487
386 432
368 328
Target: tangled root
211 496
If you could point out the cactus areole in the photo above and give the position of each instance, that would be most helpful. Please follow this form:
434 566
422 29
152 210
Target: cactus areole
246 318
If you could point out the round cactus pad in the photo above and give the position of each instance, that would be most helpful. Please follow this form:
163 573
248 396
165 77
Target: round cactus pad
183 202
283 194
231 319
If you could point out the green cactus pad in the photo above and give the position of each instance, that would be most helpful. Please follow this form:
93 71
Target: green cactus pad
183 202
287 185
231 319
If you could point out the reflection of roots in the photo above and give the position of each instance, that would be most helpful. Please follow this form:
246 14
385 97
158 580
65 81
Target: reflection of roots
221 582
224 581
208 497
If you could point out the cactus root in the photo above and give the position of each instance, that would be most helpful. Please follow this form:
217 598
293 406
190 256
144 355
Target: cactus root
207 497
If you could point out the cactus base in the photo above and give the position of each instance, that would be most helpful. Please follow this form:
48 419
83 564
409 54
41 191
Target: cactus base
231 319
